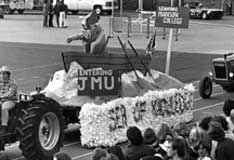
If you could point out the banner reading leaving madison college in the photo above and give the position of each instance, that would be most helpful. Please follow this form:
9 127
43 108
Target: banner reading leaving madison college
98 82
172 17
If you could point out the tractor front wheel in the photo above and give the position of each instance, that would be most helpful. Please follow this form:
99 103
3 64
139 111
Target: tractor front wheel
41 131
205 87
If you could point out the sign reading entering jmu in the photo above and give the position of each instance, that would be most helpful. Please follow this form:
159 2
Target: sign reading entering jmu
97 82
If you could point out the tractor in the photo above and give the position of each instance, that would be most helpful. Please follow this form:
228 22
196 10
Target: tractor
38 122
222 74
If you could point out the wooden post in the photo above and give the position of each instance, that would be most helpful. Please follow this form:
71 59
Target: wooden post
177 29
164 33
148 28
140 4
169 51
121 8
129 26
169 48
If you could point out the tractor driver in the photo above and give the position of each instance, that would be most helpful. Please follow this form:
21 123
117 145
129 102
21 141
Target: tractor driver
8 96
92 35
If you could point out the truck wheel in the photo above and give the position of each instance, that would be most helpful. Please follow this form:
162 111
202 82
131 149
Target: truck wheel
41 131
204 15
98 9
20 11
205 87
7 10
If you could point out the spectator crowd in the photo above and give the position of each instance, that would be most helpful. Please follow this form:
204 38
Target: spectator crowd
212 138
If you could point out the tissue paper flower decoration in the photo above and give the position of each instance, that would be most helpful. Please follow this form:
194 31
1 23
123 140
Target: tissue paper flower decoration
106 124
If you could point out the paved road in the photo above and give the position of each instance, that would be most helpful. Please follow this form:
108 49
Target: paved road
33 64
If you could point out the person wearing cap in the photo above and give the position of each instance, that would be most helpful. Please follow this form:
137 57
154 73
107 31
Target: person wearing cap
92 35
8 96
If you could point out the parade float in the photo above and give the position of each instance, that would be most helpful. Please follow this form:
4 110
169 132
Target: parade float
105 94
115 91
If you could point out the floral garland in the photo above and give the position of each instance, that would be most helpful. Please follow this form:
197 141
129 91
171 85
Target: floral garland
106 124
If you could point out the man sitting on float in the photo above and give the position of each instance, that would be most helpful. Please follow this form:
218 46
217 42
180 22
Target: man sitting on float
8 96
92 35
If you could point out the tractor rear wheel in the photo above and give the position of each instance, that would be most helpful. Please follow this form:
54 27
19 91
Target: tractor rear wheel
41 131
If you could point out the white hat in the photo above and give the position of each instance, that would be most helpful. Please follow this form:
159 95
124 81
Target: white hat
165 146
5 69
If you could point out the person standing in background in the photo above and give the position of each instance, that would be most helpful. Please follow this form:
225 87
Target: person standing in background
228 10
51 13
45 13
62 14
231 8
56 12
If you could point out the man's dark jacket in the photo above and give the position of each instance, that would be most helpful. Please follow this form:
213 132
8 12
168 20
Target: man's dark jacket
225 149
136 152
